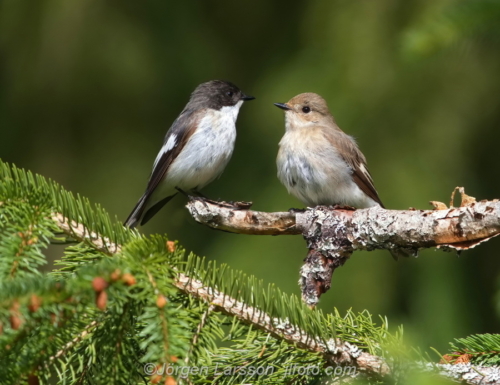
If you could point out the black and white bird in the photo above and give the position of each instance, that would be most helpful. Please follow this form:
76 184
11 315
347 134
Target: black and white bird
196 149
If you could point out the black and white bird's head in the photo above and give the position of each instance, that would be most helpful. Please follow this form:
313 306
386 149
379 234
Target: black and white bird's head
217 94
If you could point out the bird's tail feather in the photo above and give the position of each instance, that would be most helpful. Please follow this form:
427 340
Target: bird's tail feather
135 216
151 211
143 212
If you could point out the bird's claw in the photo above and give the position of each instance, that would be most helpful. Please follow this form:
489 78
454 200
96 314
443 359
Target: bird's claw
236 205
240 205
343 207
296 211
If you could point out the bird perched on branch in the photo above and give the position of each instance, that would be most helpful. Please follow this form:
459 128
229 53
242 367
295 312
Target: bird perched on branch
317 162
196 149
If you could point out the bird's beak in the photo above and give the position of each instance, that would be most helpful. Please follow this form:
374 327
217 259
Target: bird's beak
283 106
246 97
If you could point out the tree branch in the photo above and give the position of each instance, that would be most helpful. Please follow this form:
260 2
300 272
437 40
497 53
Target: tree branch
333 233
335 352
236 218
460 228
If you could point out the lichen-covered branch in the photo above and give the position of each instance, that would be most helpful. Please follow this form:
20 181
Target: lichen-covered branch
367 229
333 233
464 373
237 218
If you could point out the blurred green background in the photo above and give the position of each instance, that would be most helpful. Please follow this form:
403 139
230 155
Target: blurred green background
89 89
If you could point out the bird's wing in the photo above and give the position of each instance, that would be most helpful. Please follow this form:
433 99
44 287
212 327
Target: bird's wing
175 140
355 159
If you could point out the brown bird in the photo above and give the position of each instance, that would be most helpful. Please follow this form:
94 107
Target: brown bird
320 164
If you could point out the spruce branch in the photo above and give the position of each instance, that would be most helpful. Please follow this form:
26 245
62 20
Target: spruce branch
333 233
196 335
334 351
160 303
72 343
131 325
79 232
483 349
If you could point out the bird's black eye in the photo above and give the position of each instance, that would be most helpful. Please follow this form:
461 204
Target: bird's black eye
306 109
229 93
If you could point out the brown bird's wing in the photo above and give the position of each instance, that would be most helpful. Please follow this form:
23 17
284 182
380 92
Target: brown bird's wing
355 159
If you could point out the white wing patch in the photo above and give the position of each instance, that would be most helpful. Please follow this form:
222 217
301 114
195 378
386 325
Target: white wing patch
363 169
171 142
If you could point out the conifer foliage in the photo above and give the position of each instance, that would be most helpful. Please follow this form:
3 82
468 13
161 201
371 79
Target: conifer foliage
113 309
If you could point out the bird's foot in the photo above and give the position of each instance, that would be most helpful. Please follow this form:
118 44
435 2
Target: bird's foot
343 207
182 191
236 205
240 205
197 193
295 211
198 198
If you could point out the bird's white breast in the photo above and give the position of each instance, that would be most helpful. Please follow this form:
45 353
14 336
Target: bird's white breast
314 172
208 150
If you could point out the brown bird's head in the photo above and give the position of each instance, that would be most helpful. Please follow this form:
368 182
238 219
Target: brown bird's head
306 109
